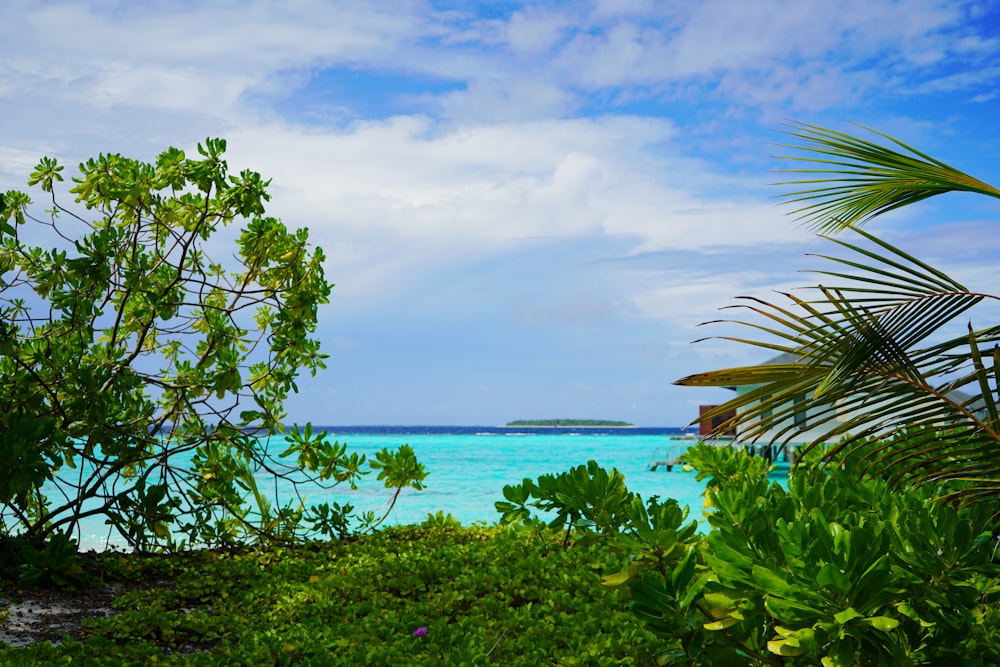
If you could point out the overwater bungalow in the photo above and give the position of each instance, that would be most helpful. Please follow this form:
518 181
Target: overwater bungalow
806 424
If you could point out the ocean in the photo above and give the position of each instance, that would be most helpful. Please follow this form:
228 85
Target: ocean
468 467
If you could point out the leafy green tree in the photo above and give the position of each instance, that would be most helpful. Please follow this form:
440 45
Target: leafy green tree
145 348
872 353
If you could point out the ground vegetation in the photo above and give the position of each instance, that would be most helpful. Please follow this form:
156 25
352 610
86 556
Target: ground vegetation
835 568
433 594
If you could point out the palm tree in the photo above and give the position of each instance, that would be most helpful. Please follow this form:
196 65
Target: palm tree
872 355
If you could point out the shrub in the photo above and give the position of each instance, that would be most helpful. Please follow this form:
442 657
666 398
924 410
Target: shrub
834 570
142 356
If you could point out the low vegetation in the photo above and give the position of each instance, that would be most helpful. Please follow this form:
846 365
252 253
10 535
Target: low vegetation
834 570
434 594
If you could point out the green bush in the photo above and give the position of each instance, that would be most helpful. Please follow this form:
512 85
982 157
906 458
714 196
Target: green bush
837 569
144 361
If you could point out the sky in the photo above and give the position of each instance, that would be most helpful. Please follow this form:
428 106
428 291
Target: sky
528 209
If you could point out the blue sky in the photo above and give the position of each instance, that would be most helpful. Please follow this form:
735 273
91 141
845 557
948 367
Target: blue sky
528 208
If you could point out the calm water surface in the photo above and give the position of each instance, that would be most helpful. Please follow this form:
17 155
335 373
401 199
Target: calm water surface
468 471
469 466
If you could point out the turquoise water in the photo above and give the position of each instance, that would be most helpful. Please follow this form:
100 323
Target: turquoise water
467 473
468 470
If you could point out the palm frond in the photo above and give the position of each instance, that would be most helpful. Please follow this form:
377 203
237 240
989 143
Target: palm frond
856 370
861 364
895 263
857 180
987 393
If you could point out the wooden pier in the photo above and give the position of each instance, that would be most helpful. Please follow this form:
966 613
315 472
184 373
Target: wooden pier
773 453
669 465
667 458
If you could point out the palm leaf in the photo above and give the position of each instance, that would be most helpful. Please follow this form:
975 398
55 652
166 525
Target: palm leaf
901 268
862 365
864 372
858 180
983 375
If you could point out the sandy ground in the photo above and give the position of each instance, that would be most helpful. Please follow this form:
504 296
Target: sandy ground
43 615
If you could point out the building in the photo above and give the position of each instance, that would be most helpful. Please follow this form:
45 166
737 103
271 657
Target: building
711 428
807 424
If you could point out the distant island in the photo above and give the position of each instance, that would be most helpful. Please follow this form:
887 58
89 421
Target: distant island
569 423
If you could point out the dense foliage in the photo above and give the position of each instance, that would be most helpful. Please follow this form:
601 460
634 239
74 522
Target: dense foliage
835 570
435 594
145 348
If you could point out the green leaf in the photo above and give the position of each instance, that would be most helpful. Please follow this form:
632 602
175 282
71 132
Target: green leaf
846 616
832 577
615 580
720 601
721 624
791 611
785 647
883 623
773 583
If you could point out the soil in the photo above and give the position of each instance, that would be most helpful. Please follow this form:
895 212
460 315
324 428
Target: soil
50 615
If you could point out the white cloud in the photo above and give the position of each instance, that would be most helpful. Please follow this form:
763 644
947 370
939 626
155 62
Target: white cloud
390 196
511 164
205 58
200 58
830 48
505 100
500 155
969 80
244 36
984 97
702 285
533 30
15 165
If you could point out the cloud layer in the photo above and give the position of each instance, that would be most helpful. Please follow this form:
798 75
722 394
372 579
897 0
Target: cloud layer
525 206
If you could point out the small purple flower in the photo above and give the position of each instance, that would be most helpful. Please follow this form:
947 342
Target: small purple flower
420 632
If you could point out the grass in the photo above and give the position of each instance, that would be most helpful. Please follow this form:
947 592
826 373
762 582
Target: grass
483 595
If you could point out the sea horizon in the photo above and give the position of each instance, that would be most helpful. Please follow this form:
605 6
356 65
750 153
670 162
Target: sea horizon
469 466
497 428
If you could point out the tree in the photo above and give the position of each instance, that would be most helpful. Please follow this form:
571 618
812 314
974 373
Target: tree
871 349
141 358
